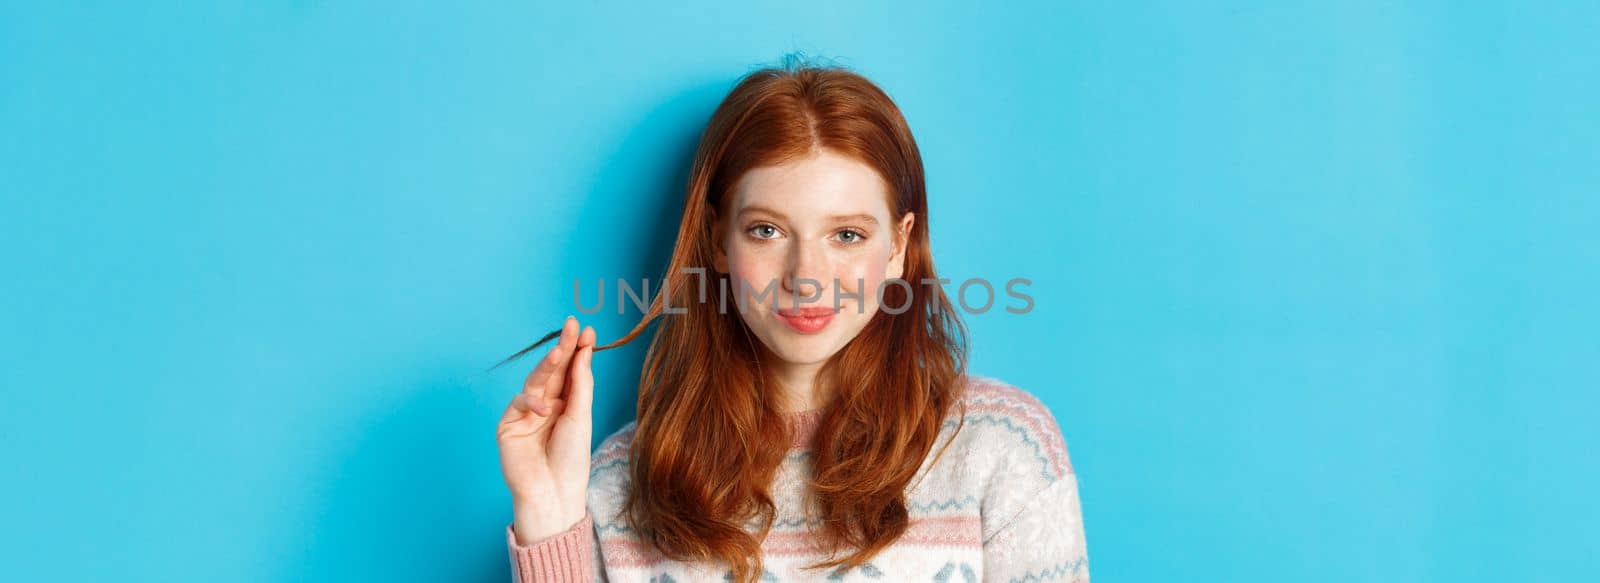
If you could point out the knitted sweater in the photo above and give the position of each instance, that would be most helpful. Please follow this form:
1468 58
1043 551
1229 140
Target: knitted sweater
1001 504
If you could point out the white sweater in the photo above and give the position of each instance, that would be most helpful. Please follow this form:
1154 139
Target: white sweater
1001 504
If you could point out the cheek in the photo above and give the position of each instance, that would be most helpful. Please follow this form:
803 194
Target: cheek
863 276
753 268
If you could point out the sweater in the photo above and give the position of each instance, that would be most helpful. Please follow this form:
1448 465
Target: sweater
1001 504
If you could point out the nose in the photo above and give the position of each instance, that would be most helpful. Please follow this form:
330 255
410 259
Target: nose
806 272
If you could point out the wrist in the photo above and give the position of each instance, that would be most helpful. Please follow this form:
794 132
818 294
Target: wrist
535 525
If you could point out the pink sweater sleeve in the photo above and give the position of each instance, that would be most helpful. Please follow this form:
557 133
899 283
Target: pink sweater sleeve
567 557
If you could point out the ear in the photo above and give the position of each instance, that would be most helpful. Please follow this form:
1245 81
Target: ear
902 240
719 255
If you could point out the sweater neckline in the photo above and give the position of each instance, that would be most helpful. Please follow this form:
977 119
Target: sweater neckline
802 427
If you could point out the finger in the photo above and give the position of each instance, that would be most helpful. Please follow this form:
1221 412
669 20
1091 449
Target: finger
555 362
556 384
524 405
527 403
540 377
569 335
540 407
581 395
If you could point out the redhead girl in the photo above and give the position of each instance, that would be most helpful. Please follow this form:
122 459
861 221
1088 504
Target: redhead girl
804 411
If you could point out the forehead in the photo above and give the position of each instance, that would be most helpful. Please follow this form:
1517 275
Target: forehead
823 184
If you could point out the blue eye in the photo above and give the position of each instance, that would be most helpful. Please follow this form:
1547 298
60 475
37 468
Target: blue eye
763 231
851 237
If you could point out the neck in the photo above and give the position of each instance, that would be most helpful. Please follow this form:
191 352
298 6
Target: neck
797 386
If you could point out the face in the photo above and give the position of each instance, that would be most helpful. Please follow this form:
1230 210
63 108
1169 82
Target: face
815 232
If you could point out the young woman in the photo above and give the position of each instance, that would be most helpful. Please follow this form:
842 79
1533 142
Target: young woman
804 412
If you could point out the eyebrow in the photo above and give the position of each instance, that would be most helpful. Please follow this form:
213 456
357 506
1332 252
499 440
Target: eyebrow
833 219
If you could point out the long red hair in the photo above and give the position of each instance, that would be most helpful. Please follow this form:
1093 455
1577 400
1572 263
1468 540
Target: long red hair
709 440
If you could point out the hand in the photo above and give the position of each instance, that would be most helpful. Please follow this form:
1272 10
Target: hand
544 438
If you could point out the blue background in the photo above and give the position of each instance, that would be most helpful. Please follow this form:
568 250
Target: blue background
1316 283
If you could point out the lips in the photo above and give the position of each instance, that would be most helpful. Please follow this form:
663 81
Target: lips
806 320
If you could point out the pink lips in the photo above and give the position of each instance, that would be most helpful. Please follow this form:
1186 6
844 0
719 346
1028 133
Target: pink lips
806 320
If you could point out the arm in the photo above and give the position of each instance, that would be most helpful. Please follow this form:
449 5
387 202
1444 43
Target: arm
1043 542
571 556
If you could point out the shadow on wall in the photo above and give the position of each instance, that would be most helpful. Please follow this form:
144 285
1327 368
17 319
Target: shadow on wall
416 477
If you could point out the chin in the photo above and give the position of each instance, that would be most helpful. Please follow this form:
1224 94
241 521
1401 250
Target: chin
792 346
809 350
